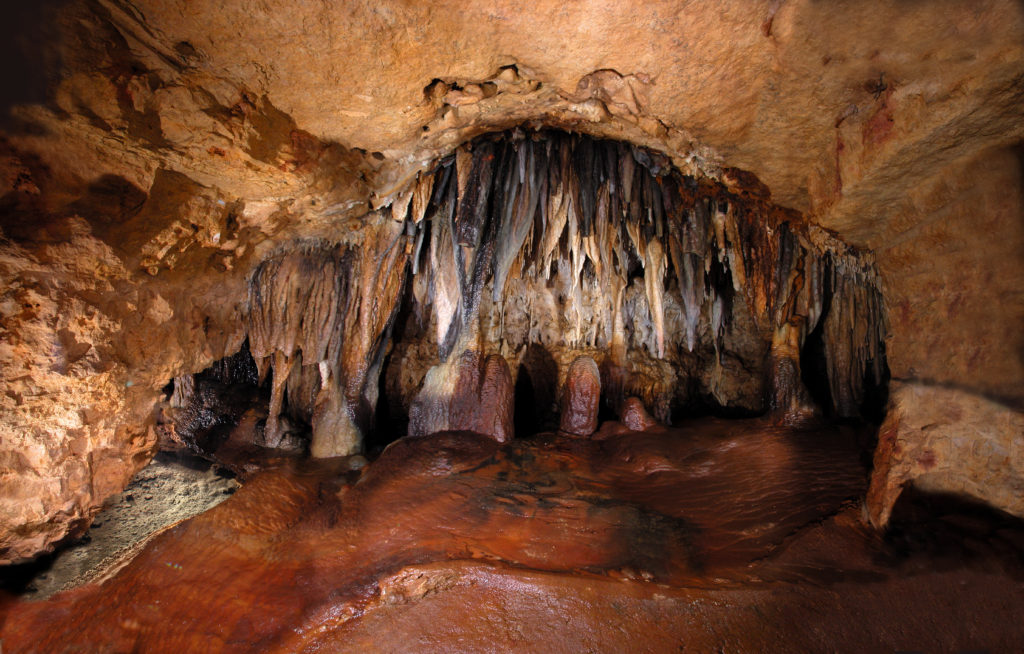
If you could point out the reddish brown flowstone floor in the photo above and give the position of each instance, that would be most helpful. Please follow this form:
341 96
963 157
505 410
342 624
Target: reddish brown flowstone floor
717 536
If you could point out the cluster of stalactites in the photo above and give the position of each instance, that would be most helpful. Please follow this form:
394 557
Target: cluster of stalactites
597 215
319 316
854 332
592 219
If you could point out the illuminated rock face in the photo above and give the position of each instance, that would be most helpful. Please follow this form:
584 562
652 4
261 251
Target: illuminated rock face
178 170
946 441
580 248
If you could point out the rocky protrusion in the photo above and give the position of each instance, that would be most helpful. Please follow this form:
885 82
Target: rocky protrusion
948 441
788 399
635 416
581 398
483 399
467 393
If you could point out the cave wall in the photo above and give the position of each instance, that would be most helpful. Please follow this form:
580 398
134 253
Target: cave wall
953 254
179 142
952 258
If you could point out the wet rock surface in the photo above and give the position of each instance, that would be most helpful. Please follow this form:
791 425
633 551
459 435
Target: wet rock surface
471 393
714 534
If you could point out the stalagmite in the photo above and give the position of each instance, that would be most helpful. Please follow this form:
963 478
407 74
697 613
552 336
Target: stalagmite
333 433
468 393
635 416
282 369
482 402
788 400
581 398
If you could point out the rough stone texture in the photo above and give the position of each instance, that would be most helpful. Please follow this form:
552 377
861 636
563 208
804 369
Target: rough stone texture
952 261
73 432
181 141
581 398
470 392
945 440
635 416
787 90
86 349
483 397
162 494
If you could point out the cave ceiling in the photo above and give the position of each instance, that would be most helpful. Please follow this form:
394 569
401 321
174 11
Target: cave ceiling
839 111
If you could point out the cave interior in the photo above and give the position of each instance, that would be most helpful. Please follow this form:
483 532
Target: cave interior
617 327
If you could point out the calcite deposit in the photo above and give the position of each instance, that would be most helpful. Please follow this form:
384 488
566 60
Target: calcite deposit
580 248
272 232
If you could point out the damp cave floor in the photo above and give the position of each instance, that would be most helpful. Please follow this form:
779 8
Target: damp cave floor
734 536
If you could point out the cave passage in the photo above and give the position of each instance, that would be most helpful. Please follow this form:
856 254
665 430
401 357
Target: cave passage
539 247
523 342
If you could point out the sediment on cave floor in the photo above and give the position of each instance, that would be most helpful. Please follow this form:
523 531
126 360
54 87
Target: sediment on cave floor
502 263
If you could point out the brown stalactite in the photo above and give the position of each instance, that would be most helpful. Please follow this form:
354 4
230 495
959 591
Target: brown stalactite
542 235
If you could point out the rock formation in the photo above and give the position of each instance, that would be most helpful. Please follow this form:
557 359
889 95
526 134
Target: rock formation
581 398
413 218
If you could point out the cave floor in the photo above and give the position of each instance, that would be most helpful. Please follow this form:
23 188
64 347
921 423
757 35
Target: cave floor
730 536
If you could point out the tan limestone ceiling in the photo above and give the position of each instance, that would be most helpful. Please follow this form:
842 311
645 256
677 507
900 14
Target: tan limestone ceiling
841 108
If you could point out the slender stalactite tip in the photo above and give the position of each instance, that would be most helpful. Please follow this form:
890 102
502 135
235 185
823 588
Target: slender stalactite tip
695 292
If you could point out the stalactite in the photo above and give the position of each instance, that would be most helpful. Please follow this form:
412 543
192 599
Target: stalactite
853 332
373 301
517 222
318 318
296 305
575 243
586 217
421 197
184 387
654 279
444 270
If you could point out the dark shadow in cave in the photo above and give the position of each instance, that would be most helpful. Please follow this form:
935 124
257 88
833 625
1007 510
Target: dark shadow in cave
536 400
951 530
